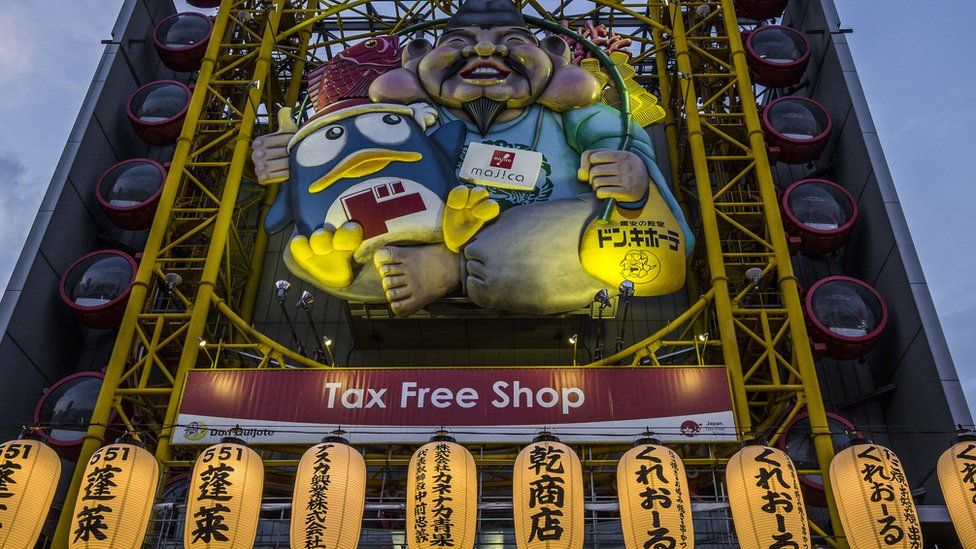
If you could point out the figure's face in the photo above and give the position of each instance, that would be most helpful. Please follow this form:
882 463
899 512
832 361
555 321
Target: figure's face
504 63
355 147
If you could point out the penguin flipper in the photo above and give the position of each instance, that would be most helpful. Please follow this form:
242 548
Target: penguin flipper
280 214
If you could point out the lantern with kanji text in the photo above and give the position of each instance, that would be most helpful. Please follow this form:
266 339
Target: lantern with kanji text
764 494
330 491
547 496
655 502
224 502
115 499
957 477
29 473
873 498
442 496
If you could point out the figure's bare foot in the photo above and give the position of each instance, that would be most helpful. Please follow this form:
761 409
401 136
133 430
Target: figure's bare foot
327 256
466 213
414 276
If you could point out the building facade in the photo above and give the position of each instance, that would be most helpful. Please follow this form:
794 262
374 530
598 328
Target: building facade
205 297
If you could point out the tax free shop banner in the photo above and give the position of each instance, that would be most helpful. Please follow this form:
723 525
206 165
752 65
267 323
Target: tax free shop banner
476 404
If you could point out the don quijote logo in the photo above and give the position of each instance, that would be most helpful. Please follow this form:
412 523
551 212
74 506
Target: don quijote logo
502 159
197 430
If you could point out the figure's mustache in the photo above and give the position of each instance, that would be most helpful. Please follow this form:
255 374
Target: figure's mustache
514 64
521 70
453 69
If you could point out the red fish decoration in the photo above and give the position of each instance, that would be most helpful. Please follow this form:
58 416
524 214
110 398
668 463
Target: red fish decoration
349 74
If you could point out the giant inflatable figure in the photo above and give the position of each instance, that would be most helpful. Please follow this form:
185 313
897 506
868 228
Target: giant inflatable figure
477 168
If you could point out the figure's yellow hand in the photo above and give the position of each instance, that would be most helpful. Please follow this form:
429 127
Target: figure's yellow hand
466 212
327 256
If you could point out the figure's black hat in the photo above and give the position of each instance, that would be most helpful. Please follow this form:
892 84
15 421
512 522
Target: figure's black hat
486 14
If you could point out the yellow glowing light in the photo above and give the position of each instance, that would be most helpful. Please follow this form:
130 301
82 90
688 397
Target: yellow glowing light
547 496
956 479
116 499
29 474
330 491
653 492
224 502
442 468
764 494
873 498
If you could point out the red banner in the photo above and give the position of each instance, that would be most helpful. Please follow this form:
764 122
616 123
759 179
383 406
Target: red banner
476 404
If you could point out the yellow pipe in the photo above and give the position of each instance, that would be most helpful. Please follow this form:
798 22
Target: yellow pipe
822 439
94 437
308 23
713 241
273 346
692 283
221 229
658 335
251 287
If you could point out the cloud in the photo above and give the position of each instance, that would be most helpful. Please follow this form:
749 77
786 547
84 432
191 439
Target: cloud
19 199
46 64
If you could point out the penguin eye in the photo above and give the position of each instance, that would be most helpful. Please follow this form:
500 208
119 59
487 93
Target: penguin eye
370 43
383 128
321 147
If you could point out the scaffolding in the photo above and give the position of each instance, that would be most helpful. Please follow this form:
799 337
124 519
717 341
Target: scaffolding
208 230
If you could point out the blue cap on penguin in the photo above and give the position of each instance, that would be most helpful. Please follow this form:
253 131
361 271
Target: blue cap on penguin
373 164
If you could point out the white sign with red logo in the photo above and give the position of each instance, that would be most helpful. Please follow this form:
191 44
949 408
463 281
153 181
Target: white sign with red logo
405 406
494 166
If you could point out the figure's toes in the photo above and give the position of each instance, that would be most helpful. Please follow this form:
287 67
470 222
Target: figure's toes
475 268
398 295
390 269
394 281
476 291
458 197
478 194
321 242
349 236
406 306
388 256
300 248
486 210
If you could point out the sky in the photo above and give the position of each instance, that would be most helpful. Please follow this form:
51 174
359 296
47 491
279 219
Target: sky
916 72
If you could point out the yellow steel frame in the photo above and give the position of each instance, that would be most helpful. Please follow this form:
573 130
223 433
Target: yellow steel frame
205 228
207 225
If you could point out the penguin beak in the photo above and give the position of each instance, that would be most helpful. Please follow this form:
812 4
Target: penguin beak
360 163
